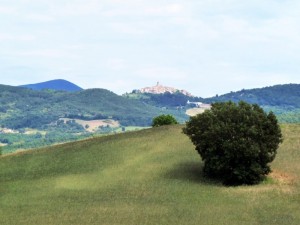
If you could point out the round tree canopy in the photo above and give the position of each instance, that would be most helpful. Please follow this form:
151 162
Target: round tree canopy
236 141
163 120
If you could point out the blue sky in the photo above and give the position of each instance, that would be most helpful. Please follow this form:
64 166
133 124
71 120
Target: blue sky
207 47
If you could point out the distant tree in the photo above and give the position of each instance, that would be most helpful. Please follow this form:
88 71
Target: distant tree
163 120
235 141
38 135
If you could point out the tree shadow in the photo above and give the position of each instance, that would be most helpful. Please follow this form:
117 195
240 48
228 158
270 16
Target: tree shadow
191 171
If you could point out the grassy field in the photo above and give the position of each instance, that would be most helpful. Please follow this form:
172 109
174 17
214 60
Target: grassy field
151 176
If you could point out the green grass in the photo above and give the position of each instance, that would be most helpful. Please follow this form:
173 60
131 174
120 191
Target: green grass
151 176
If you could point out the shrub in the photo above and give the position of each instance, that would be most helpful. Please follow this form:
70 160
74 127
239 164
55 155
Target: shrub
235 141
163 120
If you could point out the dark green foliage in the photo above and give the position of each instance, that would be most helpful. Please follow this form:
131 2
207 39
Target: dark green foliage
235 141
163 120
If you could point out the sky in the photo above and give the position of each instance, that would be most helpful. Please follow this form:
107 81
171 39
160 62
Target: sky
206 47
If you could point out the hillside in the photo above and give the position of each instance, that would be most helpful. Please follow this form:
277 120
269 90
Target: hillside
31 118
283 100
287 95
21 107
133 178
58 85
166 99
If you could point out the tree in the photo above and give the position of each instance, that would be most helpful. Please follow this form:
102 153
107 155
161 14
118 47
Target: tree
236 141
163 120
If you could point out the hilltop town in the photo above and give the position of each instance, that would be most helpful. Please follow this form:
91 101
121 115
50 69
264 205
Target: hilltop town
160 89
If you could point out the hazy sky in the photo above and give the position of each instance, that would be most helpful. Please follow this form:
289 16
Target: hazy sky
207 47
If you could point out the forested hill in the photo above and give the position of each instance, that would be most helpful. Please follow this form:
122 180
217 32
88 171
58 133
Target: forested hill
21 107
287 95
59 85
166 99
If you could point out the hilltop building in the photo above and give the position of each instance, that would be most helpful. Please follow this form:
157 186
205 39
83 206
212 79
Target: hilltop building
199 105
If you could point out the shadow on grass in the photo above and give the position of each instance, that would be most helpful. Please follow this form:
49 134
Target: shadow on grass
191 172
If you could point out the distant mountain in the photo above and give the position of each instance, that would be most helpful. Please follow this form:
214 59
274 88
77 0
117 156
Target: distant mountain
58 85
160 89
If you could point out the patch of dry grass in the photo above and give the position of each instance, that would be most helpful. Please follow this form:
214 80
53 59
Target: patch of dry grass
194 111
93 125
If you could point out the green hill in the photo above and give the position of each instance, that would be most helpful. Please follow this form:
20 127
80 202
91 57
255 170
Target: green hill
40 118
147 177
283 100
43 117
23 108
287 95
166 99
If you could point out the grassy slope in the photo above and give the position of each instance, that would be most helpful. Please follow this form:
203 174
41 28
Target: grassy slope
147 177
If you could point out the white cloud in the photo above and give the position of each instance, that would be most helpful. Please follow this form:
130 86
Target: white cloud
80 8
7 10
116 64
206 47
15 37
165 74
134 28
47 53
41 18
143 9
164 10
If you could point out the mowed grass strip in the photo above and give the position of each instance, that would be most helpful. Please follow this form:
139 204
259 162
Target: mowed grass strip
151 176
